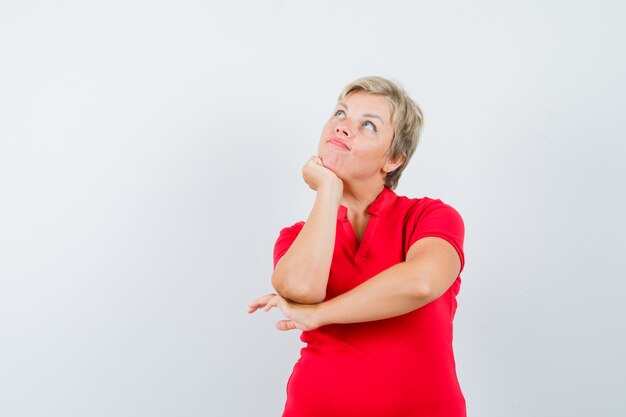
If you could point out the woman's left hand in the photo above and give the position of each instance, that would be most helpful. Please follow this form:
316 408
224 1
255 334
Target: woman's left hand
299 316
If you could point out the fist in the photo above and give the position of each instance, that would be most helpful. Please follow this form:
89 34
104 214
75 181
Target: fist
317 176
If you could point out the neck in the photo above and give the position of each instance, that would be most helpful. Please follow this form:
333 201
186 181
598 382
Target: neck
358 198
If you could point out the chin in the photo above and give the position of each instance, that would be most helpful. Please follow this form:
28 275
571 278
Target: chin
330 161
336 169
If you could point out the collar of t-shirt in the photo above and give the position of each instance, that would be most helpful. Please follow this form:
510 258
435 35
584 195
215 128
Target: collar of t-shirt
382 202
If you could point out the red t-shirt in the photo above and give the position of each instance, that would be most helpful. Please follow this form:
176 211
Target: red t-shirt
402 366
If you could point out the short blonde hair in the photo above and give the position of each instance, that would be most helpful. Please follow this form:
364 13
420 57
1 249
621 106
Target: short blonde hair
406 118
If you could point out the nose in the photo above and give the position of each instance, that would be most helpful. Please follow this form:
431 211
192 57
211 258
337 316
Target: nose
343 128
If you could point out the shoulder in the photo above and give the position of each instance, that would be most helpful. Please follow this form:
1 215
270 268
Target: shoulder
417 208
285 238
431 217
293 229
289 233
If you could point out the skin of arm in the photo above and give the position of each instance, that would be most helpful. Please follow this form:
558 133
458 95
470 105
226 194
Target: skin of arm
432 264
301 275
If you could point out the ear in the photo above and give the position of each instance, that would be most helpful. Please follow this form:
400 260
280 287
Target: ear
391 165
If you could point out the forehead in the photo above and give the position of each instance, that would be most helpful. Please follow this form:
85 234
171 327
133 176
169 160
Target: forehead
363 102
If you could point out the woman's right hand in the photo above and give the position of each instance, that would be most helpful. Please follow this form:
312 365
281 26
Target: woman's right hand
317 176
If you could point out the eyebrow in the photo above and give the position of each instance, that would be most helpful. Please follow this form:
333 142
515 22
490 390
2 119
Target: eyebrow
364 115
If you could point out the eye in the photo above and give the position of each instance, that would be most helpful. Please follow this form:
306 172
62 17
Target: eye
340 113
369 125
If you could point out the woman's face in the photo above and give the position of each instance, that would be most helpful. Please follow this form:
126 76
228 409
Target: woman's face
356 138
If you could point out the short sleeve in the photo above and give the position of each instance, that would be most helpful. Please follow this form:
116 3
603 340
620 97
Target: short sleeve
439 220
285 239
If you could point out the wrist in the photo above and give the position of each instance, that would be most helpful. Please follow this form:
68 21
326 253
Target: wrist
320 314
332 190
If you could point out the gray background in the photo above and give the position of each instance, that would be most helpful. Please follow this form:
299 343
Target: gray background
151 151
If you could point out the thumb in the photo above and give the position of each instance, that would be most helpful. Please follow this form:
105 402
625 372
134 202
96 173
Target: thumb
284 325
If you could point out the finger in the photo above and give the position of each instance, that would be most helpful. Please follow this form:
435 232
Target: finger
285 325
259 302
268 306
274 302
252 309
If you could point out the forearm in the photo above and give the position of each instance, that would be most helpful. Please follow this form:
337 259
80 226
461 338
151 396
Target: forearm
302 273
395 291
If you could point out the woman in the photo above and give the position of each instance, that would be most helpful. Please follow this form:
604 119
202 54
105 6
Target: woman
371 277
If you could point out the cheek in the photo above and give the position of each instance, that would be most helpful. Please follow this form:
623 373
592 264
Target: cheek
326 131
322 139
322 147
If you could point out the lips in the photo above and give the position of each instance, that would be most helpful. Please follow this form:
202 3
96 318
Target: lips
338 143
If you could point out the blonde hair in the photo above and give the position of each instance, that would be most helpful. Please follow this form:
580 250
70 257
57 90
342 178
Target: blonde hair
406 118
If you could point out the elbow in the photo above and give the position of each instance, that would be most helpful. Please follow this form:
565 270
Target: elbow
421 283
423 292
306 296
299 293
427 290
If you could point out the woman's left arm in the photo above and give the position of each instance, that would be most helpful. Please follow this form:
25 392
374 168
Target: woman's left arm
432 264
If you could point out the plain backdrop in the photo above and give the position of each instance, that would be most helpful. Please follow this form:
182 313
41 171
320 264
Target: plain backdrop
150 151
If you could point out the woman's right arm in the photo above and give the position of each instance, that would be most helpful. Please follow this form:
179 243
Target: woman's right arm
301 275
